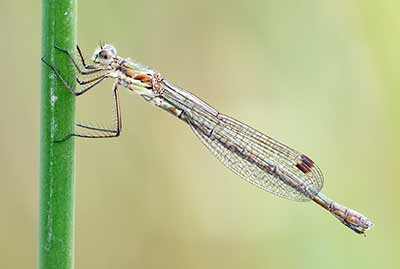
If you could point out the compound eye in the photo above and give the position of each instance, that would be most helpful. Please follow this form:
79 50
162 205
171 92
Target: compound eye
103 54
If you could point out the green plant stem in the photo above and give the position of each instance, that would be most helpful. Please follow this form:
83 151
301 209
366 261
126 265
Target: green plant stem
56 197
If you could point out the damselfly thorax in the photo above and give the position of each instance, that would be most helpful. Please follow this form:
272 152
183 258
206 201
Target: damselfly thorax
259 159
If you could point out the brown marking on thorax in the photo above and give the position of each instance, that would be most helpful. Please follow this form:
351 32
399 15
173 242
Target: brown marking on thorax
144 78
173 110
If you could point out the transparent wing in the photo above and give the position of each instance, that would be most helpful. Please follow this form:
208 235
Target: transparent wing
259 159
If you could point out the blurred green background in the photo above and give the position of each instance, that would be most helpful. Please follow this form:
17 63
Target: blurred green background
318 75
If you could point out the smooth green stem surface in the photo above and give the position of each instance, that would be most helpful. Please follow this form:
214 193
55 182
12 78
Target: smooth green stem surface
56 185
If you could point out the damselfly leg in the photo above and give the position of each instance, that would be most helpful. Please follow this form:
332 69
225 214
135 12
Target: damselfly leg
91 83
73 90
104 133
92 68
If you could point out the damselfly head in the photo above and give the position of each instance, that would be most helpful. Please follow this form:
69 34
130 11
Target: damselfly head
104 55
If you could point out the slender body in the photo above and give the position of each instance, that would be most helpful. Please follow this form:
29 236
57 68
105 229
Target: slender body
258 158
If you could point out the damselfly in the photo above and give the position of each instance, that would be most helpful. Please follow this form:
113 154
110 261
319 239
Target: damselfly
258 158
